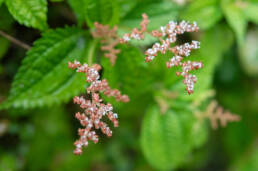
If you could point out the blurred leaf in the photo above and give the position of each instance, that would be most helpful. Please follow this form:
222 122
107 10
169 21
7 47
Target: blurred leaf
50 133
8 162
126 6
251 11
4 45
56 0
160 13
205 13
235 18
31 13
102 11
247 162
129 74
44 78
6 19
1 1
249 53
166 139
78 9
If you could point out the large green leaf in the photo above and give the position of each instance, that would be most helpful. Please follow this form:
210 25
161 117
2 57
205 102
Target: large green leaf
205 13
31 13
235 18
166 139
43 78
102 11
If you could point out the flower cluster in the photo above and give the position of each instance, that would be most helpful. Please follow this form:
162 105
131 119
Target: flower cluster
215 113
168 35
137 34
109 40
94 109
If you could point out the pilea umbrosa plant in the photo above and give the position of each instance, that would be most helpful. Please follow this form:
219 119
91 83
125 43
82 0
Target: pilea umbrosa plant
144 53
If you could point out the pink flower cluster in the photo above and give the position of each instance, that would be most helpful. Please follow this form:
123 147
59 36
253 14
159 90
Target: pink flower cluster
109 40
168 35
94 108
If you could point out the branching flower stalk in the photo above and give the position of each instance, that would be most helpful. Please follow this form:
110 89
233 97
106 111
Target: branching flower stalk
217 114
108 39
168 35
94 109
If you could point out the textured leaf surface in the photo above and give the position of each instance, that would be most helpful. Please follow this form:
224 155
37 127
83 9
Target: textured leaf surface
166 138
31 13
205 13
43 78
102 11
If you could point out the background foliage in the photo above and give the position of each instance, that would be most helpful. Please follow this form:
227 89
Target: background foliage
37 127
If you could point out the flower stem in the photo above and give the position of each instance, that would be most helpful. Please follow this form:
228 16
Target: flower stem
92 51
14 40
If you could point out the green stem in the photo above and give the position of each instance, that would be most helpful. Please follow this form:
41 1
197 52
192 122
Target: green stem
92 51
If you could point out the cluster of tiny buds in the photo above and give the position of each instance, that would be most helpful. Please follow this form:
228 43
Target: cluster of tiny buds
168 35
94 109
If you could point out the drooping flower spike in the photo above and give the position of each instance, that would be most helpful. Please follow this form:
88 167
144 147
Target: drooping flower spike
168 35
94 109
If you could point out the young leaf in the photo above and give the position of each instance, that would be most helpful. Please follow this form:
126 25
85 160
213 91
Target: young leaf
31 13
205 13
44 78
165 138
235 18
102 11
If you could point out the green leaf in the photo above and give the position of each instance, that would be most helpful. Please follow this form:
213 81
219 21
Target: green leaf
166 138
1 1
251 12
6 19
44 78
235 18
102 11
31 13
4 46
160 13
249 53
78 9
129 74
205 13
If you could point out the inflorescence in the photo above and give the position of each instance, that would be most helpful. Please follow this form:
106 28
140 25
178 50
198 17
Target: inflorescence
168 35
108 39
94 109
